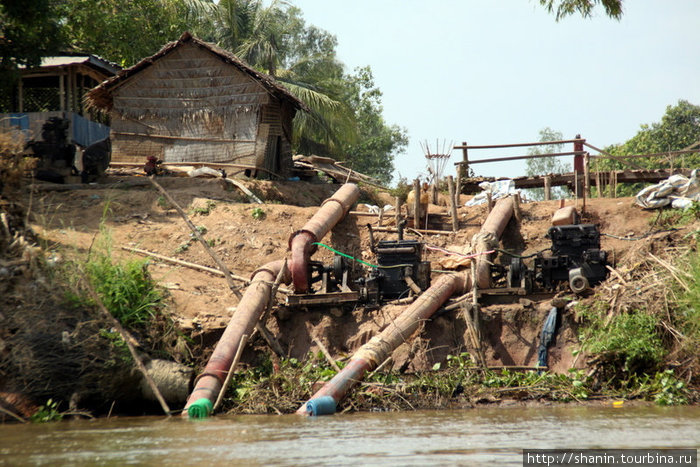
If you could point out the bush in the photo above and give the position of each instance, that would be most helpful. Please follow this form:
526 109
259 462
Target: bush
628 339
126 289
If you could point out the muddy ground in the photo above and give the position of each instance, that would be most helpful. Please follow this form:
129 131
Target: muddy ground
248 235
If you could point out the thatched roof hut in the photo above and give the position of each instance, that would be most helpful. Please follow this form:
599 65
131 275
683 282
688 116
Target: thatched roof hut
195 102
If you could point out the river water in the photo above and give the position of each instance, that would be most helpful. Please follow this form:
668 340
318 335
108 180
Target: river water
483 436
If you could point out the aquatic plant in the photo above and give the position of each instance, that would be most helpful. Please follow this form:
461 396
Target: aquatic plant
47 413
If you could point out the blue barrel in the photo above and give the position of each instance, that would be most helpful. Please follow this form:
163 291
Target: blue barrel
321 406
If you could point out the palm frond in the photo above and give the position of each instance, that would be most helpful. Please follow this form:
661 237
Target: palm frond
329 121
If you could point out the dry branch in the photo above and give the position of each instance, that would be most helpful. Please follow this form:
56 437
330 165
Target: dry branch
127 338
195 232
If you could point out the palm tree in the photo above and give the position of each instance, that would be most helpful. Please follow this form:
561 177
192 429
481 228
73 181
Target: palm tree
257 34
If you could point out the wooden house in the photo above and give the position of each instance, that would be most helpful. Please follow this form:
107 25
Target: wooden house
56 89
193 102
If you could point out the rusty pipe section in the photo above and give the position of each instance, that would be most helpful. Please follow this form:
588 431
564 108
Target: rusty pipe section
248 312
381 346
301 242
488 239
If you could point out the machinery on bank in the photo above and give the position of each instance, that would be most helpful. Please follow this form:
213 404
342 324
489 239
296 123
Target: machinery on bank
399 271
574 257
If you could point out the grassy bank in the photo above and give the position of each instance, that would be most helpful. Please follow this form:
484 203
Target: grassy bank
282 386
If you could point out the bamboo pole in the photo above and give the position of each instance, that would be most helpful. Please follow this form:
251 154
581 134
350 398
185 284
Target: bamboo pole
516 207
260 325
518 145
326 354
236 358
187 264
586 185
244 189
416 203
517 158
422 231
587 175
453 203
126 337
195 232
397 212
619 159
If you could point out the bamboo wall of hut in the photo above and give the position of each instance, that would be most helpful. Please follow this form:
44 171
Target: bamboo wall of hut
194 102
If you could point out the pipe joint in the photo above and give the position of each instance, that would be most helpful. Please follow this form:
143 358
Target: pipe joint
344 207
273 269
311 237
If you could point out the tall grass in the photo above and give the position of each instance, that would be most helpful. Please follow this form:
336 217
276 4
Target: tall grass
688 312
125 287
629 339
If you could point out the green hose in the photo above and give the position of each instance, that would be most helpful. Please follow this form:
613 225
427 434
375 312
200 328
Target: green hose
345 255
201 408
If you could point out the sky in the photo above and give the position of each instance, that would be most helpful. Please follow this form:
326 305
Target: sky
499 71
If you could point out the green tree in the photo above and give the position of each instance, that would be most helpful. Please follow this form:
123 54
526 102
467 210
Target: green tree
547 165
276 40
378 142
563 8
29 30
126 32
271 37
678 129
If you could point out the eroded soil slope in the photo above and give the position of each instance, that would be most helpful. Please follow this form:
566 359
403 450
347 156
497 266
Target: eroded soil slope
246 236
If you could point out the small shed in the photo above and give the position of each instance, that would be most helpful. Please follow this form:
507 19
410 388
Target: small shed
56 89
193 102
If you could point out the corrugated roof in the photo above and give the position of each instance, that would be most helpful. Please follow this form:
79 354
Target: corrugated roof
101 97
94 61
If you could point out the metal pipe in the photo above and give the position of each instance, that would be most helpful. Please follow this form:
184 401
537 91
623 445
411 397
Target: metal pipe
487 239
301 242
247 314
380 347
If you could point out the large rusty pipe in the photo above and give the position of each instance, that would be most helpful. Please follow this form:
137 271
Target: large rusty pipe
248 312
488 238
301 242
381 346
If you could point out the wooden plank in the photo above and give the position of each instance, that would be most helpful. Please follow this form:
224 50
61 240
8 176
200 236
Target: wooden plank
527 156
519 145
453 203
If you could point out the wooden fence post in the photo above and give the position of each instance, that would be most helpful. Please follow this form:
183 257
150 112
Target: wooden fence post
416 204
398 211
453 204
516 207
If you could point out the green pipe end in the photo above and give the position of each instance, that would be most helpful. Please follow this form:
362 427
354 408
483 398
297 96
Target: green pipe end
201 408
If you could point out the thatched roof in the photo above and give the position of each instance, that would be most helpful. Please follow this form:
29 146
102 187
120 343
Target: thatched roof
101 96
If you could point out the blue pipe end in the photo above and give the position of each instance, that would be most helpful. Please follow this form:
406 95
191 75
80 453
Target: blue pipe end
201 408
325 405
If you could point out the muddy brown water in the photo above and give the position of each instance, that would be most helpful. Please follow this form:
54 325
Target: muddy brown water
483 436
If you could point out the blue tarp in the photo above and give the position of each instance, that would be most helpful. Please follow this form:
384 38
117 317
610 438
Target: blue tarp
20 120
86 132
82 131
